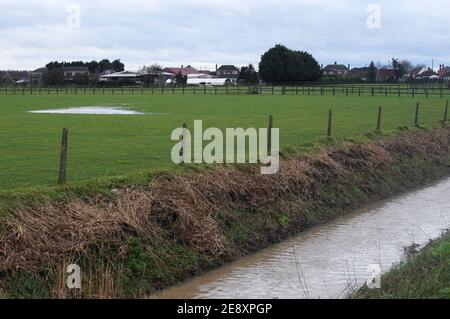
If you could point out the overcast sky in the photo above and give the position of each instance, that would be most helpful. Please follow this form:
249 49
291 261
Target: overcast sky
205 32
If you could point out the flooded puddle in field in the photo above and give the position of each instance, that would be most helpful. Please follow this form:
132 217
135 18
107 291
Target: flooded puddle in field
93 110
329 261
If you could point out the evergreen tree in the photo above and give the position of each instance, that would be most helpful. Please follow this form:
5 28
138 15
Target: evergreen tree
372 72
282 65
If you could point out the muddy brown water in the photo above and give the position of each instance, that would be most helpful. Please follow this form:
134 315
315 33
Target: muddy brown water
329 261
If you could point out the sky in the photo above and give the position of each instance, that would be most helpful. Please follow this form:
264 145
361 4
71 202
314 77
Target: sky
204 33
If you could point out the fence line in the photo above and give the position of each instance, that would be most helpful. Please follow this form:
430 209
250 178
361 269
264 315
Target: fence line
64 146
324 90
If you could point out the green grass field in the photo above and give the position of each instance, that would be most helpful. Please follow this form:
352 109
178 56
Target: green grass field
114 145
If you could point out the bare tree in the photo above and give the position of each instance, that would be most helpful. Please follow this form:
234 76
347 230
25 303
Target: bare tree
151 74
407 65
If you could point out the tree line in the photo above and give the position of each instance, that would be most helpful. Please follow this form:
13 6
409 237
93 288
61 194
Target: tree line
93 66
55 74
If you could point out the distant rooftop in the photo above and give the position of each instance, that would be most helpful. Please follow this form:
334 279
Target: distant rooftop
184 70
228 67
335 67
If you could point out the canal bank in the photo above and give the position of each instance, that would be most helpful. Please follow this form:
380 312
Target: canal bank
424 275
143 238
336 259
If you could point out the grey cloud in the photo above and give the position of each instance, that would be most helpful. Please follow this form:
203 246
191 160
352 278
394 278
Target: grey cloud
205 32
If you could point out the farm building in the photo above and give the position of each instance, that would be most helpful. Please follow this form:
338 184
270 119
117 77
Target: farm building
36 75
124 76
71 72
209 81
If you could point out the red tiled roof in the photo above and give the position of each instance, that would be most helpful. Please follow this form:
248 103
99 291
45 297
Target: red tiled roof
184 71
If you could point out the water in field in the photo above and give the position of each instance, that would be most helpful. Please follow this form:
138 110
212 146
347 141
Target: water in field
97 110
332 260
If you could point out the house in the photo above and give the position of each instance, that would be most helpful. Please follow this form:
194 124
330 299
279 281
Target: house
227 71
443 70
427 75
446 76
37 75
416 72
72 72
386 75
184 70
335 69
359 73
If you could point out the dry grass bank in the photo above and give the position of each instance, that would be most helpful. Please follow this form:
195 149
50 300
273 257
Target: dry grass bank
151 236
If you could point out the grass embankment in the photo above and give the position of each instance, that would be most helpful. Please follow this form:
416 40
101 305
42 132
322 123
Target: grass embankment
147 236
119 145
426 274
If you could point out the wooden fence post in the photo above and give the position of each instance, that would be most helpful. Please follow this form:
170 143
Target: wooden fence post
379 119
416 119
63 157
183 140
330 123
269 136
446 111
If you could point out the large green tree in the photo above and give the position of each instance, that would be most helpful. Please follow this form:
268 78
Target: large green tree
118 66
282 65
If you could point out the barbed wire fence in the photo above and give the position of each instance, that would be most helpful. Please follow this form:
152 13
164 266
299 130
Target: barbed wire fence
74 155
